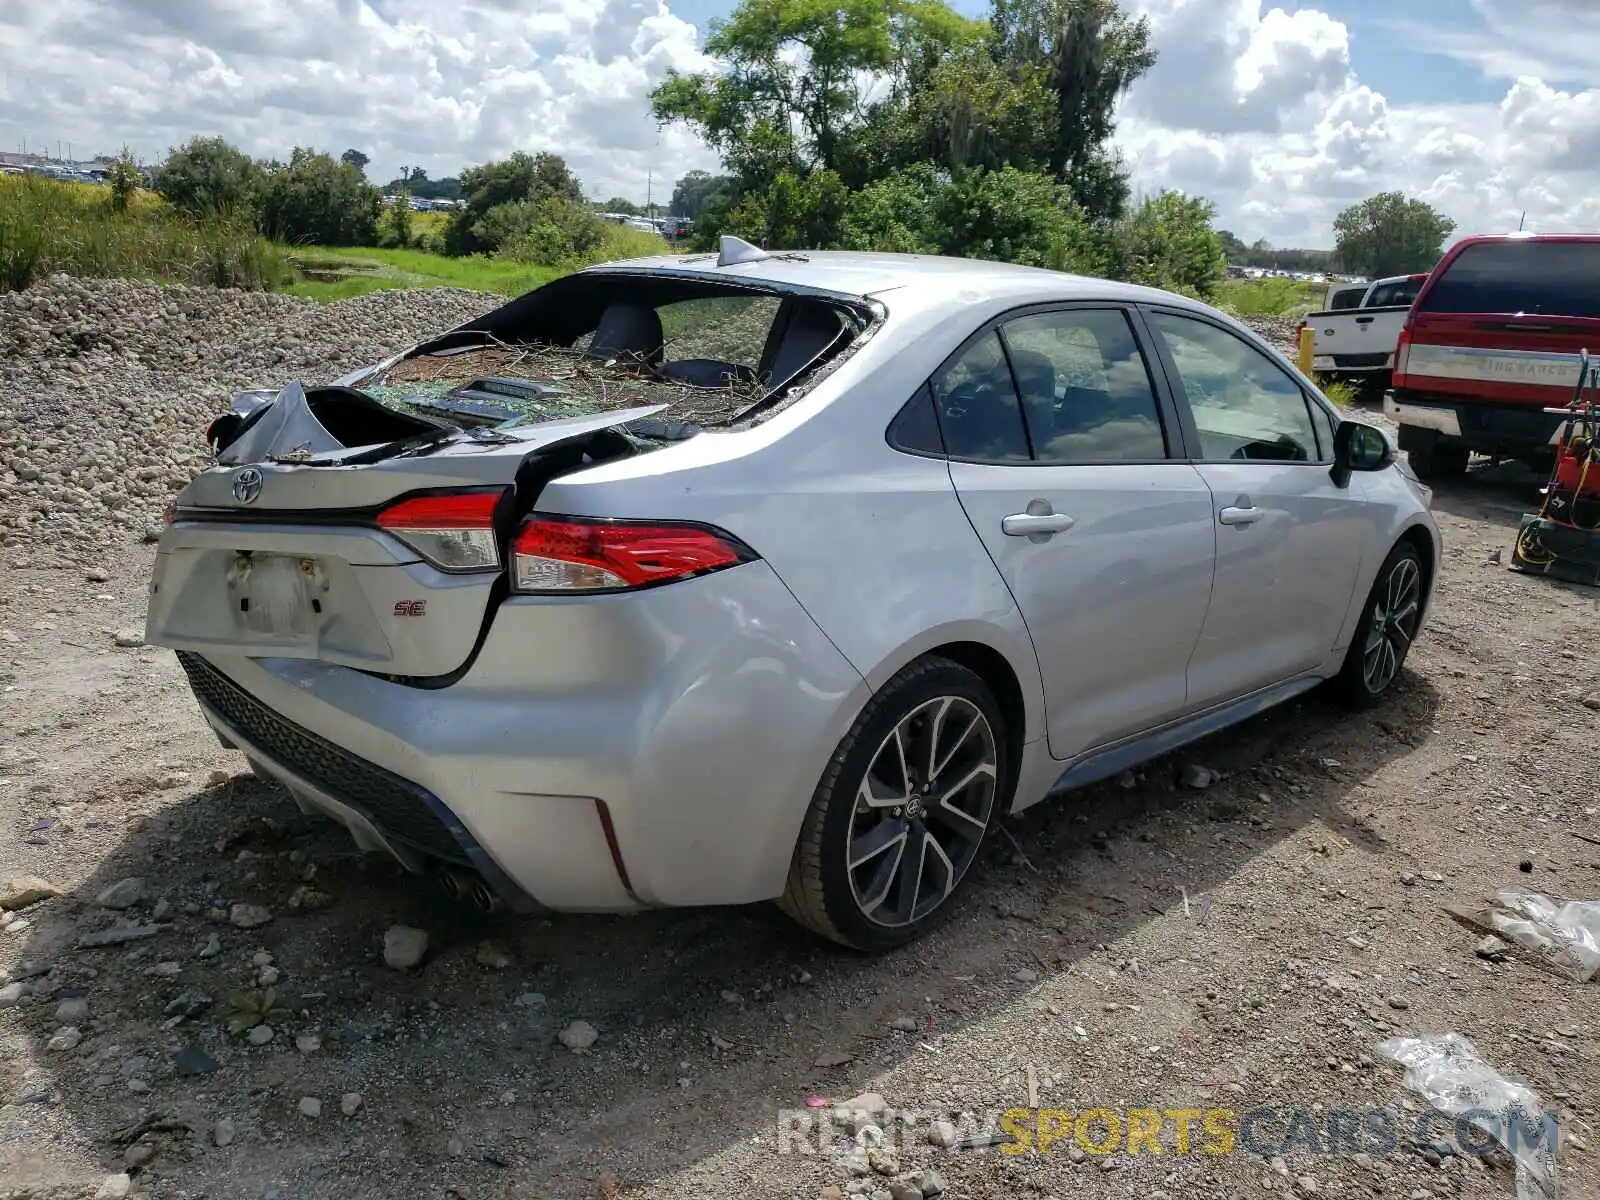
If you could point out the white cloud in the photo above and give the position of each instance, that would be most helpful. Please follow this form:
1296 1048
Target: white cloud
1252 104
1262 112
418 82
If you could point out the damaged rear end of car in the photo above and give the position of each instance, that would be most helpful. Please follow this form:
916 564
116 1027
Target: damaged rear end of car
372 604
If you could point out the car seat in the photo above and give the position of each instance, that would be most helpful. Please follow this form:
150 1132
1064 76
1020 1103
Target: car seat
628 330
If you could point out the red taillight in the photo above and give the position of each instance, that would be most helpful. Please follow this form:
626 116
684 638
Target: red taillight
453 531
565 555
1402 358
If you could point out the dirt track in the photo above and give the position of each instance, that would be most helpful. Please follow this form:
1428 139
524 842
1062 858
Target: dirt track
1314 869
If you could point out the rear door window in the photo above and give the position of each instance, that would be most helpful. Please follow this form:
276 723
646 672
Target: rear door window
1552 278
1086 391
977 401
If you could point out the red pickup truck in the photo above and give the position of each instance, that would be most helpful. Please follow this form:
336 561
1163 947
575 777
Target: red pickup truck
1492 340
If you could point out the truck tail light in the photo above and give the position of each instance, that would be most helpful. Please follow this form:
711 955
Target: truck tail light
1402 358
452 530
566 555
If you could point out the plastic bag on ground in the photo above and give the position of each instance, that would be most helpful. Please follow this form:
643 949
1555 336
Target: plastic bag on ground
1448 1073
1567 936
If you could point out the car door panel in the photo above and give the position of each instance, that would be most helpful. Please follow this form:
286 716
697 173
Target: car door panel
1290 541
1284 580
1115 603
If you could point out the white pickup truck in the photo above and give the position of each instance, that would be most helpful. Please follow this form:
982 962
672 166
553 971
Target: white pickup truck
1356 342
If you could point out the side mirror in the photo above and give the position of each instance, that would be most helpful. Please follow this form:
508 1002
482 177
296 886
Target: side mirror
1358 447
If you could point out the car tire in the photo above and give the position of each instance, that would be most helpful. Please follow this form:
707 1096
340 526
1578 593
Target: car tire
868 826
1440 461
1388 626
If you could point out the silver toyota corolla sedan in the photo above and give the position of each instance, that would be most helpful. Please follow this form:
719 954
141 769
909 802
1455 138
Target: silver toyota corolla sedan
753 576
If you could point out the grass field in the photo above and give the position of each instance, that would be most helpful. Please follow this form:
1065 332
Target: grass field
1276 296
329 275
48 226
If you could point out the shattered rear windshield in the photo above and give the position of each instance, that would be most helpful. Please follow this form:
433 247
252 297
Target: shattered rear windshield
710 355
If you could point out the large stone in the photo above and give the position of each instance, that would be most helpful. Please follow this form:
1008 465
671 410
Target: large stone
403 946
249 916
124 893
580 1035
21 891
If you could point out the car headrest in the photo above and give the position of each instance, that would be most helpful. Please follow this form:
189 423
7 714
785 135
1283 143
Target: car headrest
812 329
628 329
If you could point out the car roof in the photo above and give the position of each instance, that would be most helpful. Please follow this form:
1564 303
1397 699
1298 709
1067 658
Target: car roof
854 273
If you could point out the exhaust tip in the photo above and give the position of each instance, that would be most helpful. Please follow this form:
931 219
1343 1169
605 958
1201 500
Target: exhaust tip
484 897
453 885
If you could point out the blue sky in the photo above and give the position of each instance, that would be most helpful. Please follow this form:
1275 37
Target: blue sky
1281 113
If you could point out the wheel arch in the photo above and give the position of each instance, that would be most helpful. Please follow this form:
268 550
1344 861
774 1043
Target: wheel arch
1003 659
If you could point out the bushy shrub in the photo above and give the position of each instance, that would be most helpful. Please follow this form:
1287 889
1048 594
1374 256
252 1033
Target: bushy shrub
209 178
317 200
496 194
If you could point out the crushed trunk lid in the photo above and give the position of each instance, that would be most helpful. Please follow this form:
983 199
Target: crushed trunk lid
286 558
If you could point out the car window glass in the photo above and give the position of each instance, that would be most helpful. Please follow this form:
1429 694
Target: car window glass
1555 278
1244 405
1086 392
978 411
1326 424
1347 298
1392 295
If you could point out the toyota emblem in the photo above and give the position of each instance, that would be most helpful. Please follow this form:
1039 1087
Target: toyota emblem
247 485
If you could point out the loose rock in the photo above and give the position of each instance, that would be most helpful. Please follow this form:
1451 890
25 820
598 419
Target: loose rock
115 1187
1197 777
580 1035
125 893
403 946
350 1103
223 1133
65 1038
493 956
310 1107
23 891
260 1035
249 916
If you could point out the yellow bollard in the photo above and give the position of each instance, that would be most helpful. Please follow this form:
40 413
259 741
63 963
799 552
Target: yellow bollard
1308 345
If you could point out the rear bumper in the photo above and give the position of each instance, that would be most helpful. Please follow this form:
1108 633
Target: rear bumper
601 755
1486 428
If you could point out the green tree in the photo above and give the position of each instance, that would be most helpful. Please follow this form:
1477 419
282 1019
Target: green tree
1166 241
356 159
626 207
1091 52
529 178
208 177
125 179
316 199
1390 234
792 95
966 110
690 194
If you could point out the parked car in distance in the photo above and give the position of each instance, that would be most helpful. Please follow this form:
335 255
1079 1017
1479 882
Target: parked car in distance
1491 344
976 532
1356 342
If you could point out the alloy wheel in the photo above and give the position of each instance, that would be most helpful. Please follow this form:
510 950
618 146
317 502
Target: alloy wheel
921 811
1393 625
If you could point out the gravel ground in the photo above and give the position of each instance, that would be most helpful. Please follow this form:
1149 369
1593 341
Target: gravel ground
1245 944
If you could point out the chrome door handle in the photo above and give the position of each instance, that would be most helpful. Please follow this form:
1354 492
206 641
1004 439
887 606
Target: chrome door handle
1033 524
1234 515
